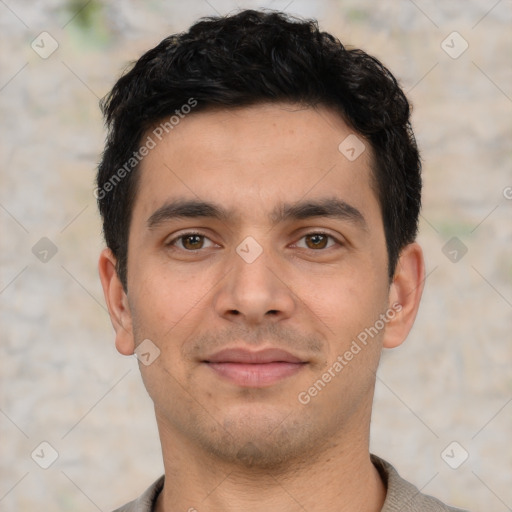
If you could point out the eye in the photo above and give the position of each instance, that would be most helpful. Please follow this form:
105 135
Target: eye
190 241
318 240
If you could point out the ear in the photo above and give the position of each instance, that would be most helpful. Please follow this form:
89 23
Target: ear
405 290
117 303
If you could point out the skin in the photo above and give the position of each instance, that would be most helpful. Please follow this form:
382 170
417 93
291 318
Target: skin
228 447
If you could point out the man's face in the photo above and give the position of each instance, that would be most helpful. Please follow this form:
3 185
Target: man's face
308 285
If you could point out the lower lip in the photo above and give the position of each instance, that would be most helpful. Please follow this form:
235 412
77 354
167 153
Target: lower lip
256 375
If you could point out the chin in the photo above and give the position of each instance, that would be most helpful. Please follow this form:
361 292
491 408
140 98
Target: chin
265 438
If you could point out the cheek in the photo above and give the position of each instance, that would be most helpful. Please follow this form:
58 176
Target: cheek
165 301
348 310
343 298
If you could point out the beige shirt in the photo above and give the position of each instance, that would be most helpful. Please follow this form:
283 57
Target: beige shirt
401 495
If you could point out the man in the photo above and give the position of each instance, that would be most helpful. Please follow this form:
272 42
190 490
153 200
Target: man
260 191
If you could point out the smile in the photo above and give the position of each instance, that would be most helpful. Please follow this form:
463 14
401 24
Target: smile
256 375
254 369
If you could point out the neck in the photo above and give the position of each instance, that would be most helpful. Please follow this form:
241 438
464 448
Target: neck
339 477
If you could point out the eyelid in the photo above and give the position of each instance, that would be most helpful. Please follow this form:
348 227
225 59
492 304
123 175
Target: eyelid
184 234
320 232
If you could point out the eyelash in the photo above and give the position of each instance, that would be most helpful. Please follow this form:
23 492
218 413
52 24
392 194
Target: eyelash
172 242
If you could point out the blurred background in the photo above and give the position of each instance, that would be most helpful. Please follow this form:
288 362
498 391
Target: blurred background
443 405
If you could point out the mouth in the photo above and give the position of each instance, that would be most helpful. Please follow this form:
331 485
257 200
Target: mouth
254 369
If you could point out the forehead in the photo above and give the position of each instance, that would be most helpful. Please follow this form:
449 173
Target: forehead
253 158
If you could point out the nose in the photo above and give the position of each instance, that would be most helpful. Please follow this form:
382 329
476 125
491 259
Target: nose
255 291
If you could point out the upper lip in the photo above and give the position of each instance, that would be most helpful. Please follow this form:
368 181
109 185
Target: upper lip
242 355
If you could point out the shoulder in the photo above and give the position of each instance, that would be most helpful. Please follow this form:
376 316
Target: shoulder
401 494
145 502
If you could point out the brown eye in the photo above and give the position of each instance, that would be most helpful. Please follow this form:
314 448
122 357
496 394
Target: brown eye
192 242
316 241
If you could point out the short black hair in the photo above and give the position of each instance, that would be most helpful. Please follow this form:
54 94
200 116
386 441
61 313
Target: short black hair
249 58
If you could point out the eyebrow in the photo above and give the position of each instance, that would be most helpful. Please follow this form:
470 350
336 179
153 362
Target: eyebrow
326 207
187 208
